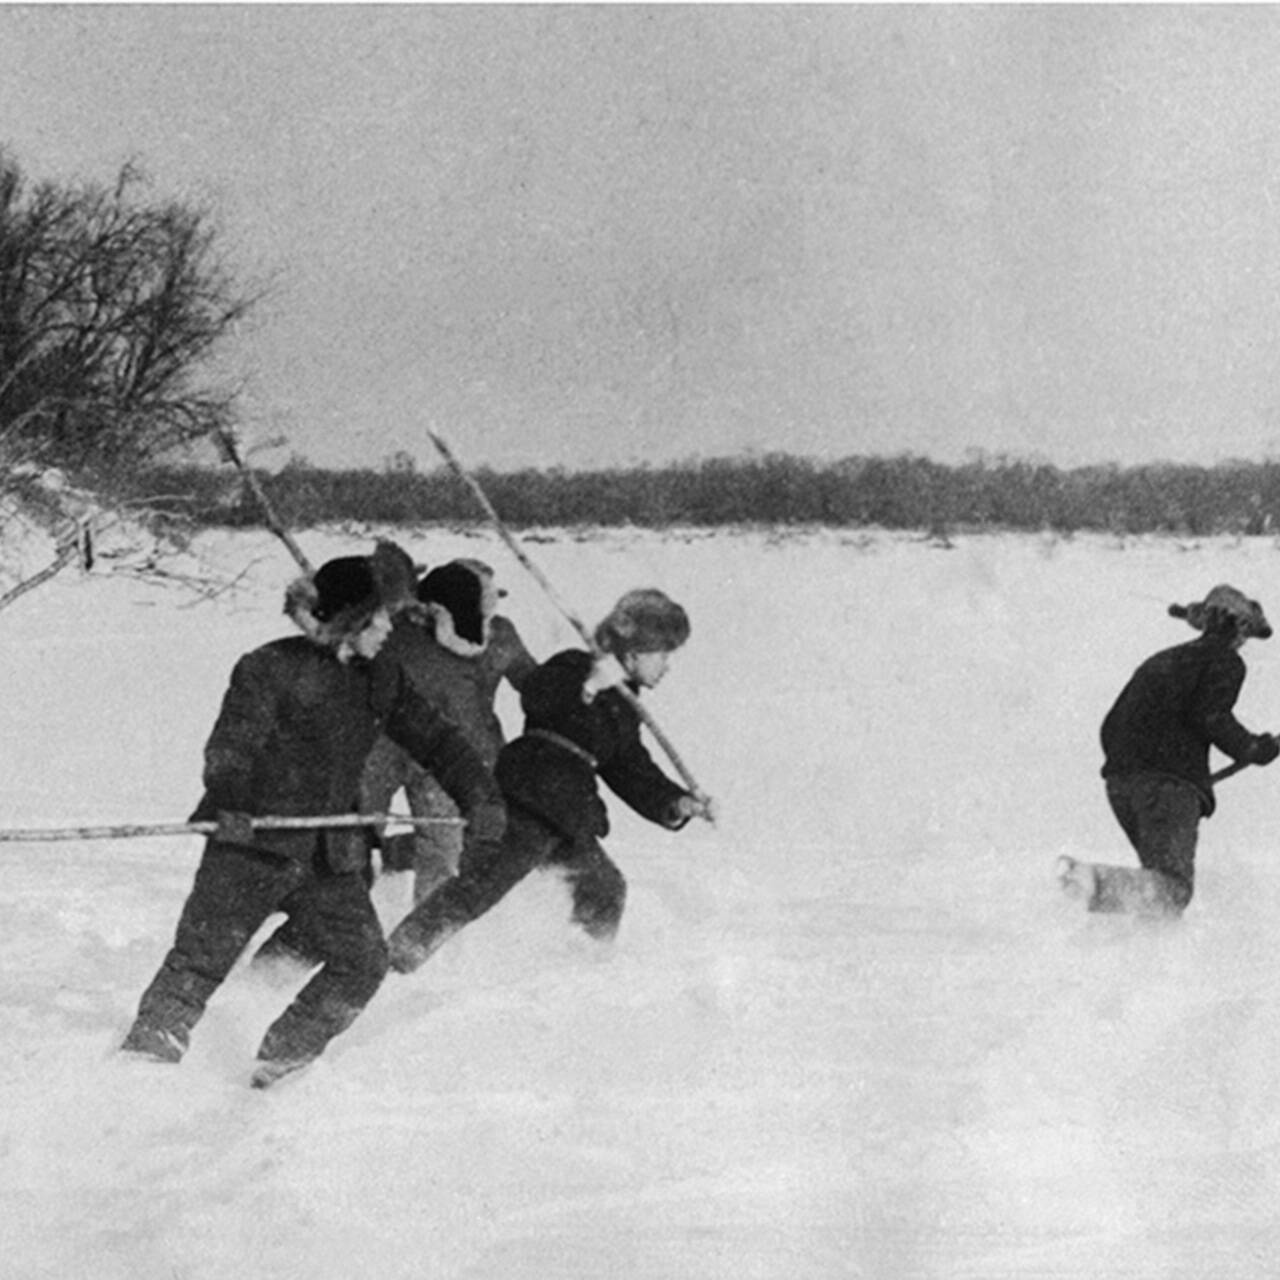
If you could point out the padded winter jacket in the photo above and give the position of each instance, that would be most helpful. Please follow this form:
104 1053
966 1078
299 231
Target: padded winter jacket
295 728
1177 704
550 770
463 687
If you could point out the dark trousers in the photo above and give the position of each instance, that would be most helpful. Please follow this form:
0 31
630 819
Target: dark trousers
485 877
1161 818
235 890
431 853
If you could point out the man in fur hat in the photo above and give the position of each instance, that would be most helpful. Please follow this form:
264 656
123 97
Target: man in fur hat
292 736
456 649
1156 741
577 726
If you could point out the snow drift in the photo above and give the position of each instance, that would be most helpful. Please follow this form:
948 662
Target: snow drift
852 1031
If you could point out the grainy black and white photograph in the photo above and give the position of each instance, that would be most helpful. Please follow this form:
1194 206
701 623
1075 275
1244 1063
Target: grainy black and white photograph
636 642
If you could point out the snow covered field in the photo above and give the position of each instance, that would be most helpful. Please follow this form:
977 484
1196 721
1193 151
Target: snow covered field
852 1031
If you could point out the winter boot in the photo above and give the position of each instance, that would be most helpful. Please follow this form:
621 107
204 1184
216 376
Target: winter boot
154 1043
270 1070
1137 891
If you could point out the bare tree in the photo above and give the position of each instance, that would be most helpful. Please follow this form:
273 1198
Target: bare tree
111 303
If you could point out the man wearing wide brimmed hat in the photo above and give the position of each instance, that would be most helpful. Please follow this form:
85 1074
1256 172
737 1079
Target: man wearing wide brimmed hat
291 739
1156 741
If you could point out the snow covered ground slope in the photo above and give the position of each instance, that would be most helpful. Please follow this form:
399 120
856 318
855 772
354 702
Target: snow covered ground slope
852 1031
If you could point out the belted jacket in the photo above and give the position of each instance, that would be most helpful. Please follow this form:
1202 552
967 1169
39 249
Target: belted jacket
551 769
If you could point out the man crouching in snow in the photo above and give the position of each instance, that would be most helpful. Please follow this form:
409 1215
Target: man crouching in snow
1156 740
295 728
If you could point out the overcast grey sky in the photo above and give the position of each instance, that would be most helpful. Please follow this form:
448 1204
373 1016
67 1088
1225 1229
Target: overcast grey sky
572 235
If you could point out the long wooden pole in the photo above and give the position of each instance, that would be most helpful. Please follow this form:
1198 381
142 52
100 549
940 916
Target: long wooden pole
125 831
277 526
1230 771
574 621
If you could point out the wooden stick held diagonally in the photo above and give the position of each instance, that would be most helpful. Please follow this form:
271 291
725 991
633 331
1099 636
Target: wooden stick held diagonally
510 539
1229 771
572 618
277 526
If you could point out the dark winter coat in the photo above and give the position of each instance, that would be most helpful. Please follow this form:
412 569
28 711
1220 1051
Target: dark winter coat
464 687
554 778
1176 705
295 728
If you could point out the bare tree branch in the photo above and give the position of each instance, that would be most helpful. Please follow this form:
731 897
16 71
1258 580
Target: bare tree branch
111 303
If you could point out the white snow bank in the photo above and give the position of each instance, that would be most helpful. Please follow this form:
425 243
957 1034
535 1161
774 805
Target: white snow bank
850 1032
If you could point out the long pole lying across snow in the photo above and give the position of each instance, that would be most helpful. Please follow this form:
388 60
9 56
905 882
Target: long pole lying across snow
308 822
572 618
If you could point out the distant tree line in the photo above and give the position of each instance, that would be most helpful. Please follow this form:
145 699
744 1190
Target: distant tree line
904 492
114 300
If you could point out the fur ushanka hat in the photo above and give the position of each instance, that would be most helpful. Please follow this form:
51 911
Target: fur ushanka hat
337 601
643 621
454 595
396 574
1225 608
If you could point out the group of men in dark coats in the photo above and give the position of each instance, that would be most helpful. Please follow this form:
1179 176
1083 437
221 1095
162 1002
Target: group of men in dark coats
391 683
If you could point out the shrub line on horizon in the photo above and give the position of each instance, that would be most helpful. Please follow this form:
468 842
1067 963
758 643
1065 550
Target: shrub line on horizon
896 493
